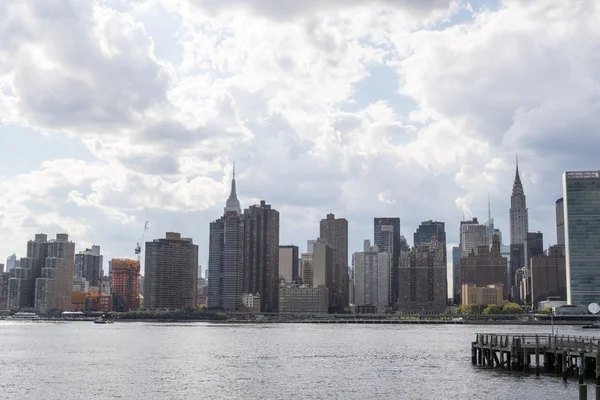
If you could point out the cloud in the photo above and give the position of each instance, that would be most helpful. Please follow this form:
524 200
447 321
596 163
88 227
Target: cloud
269 84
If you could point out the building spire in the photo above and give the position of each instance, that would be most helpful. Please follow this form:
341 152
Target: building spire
232 206
489 209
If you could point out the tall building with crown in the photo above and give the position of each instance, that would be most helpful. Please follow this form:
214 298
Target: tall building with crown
519 226
226 256
519 219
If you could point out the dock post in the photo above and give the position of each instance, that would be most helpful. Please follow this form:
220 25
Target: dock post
565 370
582 392
537 355
582 368
597 370
473 354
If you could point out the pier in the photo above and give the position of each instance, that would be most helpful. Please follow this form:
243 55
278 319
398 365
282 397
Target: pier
566 356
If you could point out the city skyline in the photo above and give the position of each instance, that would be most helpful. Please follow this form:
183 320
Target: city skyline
347 110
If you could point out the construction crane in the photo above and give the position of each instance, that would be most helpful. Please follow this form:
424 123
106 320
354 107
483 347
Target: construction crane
138 249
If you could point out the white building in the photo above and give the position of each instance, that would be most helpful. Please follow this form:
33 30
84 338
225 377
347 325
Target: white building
372 273
251 302
472 235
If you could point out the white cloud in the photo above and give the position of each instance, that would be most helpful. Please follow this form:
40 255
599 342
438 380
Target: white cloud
270 84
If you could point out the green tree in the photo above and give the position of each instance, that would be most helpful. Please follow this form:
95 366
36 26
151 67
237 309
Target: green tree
464 309
511 308
547 310
492 309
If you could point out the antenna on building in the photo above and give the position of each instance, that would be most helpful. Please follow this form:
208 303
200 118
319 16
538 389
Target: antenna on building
489 209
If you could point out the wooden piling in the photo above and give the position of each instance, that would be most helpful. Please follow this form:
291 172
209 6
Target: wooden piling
537 355
582 392
565 370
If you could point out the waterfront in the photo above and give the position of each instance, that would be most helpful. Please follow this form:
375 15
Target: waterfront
259 361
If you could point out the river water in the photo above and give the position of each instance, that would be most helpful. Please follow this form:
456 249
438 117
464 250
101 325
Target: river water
40 360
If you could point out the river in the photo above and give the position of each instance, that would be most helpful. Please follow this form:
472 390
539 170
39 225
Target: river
77 360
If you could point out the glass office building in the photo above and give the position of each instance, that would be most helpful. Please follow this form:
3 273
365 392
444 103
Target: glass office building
581 193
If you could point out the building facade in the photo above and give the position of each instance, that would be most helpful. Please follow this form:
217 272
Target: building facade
53 288
519 218
472 236
560 222
423 281
372 271
482 296
303 299
125 284
383 227
335 232
549 275
581 194
171 273
226 256
88 265
484 267
289 264
456 287
430 231
261 254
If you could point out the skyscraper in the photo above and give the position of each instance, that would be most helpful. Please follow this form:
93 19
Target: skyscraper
171 273
381 230
581 194
519 219
54 286
261 255
288 263
472 236
323 269
335 232
429 231
88 265
456 286
372 277
226 256
423 280
560 222
125 284
11 263
484 267
548 275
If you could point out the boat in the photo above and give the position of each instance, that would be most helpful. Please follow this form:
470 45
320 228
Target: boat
103 320
593 326
25 316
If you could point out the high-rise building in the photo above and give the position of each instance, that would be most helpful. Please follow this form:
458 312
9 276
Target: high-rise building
261 254
88 265
306 262
226 256
372 272
516 271
472 236
21 286
1 268
11 263
309 245
581 194
548 275
125 284
484 267
323 268
4 277
335 232
423 280
54 286
429 231
519 219
171 273
560 222
288 264
456 286
388 239
534 245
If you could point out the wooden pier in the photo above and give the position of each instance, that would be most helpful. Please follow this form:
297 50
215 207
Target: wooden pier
566 356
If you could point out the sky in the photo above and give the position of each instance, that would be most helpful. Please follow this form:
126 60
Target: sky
117 112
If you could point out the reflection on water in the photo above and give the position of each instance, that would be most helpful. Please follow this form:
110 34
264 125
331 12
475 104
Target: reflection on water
274 361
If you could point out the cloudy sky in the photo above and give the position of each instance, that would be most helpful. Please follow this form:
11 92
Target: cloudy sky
114 112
